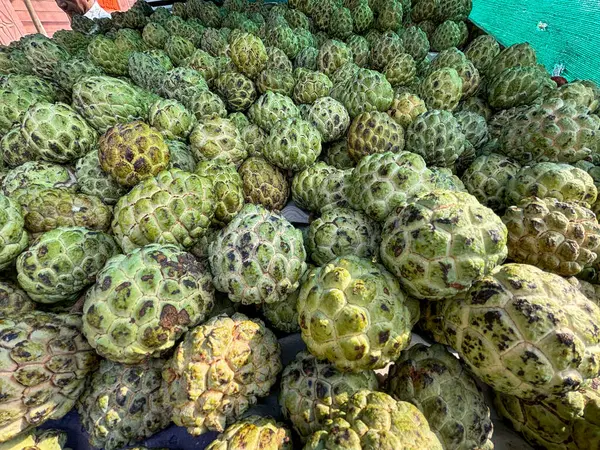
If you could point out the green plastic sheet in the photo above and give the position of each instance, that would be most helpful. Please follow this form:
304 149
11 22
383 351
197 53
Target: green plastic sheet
564 33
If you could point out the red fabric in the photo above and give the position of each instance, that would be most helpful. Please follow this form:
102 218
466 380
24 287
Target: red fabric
110 5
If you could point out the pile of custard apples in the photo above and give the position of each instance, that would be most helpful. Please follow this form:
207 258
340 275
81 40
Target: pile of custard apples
147 271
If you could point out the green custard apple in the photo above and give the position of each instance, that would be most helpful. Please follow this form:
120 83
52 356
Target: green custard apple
353 314
144 301
442 242
258 258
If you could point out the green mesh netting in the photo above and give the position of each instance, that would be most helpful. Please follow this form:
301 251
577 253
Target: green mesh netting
563 32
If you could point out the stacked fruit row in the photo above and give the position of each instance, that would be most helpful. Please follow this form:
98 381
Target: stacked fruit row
145 263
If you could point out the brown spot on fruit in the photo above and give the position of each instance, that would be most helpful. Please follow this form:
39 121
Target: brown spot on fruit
384 336
170 318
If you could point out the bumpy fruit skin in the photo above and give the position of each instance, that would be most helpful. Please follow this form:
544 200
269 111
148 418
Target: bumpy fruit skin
53 208
124 404
556 131
45 361
182 84
487 177
345 73
329 117
443 178
42 53
24 182
389 14
62 262
149 69
361 51
310 85
342 232
491 329
561 181
477 105
216 138
436 382
517 55
94 181
239 120
400 70
568 422
17 95
105 101
174 207
218 371
180 156
383 181
365 91
258 258
442 89
206 104
374 132
353 314
283 315
426 11
13 106
35 85
270 108
415 43
455 59
207 12
14 151
276 80
362 16
144 301
283 36
384 48
559 237
264 184
313 391
336 155
482 50
237 90
474 127
227 187
38 440
405 108
445 36
582 92
14 302
132 152
332 55
320 186
293 144
69 72
179 49
437 137
441 242
517 86
591 291
248 53
155 35
105 53
56 133
254 137
172 119
204 63
14 61
375 420
278 59
13 237
254 433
